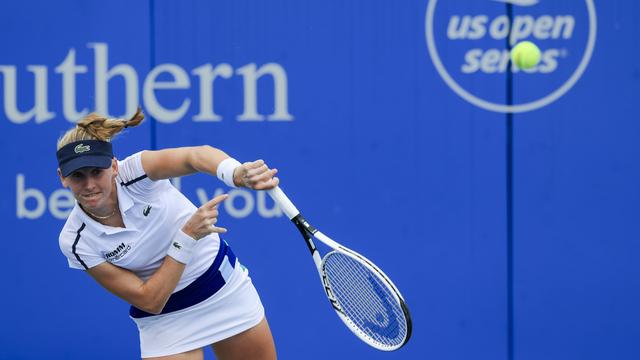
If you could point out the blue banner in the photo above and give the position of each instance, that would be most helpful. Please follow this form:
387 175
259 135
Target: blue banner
502 202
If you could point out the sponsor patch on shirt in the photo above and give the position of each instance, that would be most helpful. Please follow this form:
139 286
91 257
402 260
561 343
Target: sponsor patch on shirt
117 253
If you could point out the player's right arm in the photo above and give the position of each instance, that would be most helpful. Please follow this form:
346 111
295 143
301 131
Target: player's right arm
152 295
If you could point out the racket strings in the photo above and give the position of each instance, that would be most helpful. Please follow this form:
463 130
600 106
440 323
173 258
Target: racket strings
365 299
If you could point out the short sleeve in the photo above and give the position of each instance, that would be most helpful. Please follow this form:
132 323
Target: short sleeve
132 176
77 250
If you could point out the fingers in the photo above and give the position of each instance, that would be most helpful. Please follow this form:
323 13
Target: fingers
258 176
218 230
257 170
213 203
202 222
210 218
254 164
268 184
265 176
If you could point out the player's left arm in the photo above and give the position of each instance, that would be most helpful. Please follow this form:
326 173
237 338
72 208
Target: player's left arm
169 163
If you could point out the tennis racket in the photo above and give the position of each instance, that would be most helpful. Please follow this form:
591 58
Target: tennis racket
362 295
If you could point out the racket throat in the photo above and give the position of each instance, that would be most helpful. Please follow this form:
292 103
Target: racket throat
306 230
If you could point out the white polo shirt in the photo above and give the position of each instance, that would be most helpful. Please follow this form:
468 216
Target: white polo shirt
153 212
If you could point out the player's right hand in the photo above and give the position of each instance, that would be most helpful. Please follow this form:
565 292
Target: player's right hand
255 175
202 222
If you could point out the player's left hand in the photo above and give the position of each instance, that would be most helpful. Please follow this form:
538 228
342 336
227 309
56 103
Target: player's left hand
255 175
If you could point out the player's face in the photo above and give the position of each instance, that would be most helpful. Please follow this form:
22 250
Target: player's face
92 187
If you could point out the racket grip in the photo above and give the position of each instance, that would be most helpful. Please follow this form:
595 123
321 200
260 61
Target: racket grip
283 202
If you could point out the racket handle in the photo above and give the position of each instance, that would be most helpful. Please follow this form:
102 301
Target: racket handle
283 202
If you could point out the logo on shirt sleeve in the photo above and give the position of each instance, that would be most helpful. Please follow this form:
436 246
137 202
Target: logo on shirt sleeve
146 210
117 253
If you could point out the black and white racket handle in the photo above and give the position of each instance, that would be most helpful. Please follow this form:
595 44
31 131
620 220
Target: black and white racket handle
294 215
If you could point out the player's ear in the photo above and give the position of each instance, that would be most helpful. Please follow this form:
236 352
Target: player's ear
114 166
63 180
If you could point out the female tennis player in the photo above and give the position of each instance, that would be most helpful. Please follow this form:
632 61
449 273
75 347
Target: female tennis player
142 240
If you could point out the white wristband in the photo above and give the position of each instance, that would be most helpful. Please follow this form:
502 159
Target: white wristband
225 170
181 248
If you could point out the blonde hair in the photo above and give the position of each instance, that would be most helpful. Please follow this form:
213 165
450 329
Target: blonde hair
97 127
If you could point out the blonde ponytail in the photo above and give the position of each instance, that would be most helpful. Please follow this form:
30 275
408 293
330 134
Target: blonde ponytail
97 127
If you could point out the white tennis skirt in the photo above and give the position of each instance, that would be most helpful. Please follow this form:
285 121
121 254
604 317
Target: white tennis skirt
236 307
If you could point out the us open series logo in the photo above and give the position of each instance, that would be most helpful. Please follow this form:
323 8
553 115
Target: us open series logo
467 42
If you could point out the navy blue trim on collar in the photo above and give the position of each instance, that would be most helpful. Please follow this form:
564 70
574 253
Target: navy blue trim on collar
141 177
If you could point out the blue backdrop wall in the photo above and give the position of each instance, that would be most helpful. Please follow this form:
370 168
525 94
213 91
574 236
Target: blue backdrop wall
504 203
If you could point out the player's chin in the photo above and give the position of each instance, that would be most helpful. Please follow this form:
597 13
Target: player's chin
90 201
